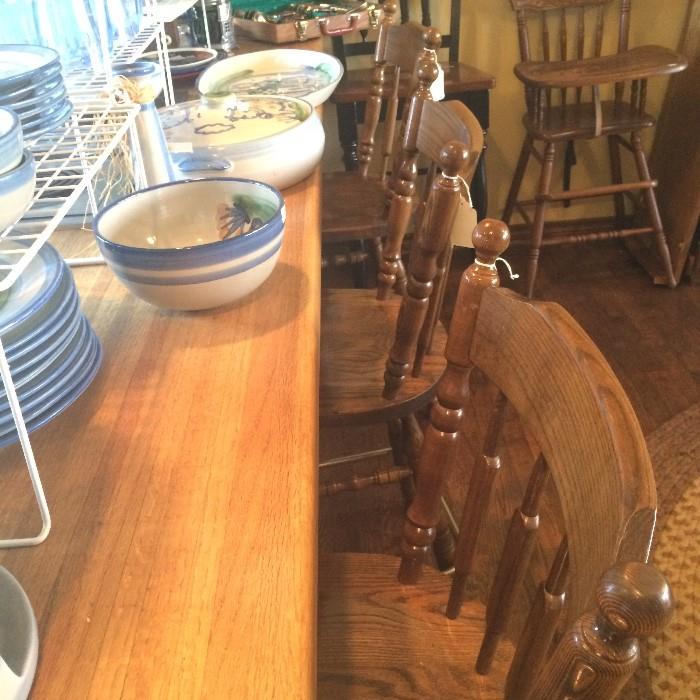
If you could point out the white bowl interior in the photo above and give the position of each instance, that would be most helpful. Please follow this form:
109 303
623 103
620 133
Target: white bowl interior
183 214
242 74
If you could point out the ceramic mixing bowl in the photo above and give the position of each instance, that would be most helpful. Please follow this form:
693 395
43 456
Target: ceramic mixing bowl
11 142
193 244
16 190
311 75
278 140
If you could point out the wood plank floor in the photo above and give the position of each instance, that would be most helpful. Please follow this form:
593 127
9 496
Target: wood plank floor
651 337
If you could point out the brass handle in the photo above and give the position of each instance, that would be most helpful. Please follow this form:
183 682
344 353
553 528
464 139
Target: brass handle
353 21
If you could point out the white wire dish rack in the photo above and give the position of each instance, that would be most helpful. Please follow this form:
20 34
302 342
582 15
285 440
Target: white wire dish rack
67 161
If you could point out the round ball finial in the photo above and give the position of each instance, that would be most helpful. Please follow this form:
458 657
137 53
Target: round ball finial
491 238
390 8
453 158
432 39
635 599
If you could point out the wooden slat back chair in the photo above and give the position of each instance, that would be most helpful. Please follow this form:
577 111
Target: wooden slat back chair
355 204
379 637
563 83
357 328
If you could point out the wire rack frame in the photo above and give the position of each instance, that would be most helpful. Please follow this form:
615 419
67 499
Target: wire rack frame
67 159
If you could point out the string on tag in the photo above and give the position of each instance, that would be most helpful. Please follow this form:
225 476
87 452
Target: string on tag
467 191
513 275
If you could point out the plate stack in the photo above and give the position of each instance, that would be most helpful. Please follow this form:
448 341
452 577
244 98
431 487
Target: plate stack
31 84
53 352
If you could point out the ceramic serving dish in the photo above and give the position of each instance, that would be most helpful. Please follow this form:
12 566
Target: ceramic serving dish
185 62
16 190
311 75
11 143
278 140
19 639
193 244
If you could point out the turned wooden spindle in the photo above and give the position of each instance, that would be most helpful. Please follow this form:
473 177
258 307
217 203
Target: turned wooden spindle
376 92
403 181
513 565
432 240
491 238
478 499
596 657
535 641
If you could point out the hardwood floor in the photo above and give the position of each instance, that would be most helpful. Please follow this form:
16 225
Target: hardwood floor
650 336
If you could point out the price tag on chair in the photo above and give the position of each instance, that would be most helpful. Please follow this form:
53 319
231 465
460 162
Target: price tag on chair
437 89
465 220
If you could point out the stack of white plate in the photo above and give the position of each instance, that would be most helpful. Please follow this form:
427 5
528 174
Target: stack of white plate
31 84
53 352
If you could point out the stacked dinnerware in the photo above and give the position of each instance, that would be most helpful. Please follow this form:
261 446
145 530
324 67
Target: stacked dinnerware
53 352
31 84
17 176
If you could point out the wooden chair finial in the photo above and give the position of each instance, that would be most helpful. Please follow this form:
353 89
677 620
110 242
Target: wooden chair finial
596 657
491 238
634 599
432 38
390 9
453 158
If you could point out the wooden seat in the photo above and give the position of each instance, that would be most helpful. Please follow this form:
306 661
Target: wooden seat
364 653
355 203
579 121
555 85
380 637
358 332
362 336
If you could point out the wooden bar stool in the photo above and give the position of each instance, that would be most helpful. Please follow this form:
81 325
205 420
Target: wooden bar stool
379 637
562 74
358 326
356 203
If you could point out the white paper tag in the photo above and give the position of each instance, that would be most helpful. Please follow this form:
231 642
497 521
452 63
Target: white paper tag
464 224
437 89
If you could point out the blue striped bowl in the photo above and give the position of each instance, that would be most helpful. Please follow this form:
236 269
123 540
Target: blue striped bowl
165 242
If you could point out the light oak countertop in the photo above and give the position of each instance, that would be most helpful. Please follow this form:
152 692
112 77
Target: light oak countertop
183 492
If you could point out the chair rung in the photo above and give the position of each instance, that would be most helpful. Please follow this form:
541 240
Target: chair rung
357 457
358 483
596 236
597 191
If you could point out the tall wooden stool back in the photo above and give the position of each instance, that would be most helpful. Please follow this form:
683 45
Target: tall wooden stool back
382 638
564 79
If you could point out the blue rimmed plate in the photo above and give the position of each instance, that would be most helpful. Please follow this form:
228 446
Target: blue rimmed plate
22 64
35 286
45 82
54 380
43 123
48 410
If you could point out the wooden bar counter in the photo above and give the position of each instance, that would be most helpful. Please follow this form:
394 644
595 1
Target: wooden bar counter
183 492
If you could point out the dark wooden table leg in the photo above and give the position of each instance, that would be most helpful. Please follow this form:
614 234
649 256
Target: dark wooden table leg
347 131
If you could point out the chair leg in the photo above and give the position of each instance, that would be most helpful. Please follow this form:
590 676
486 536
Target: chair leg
616 172
444 544
653 209
540 210
517 179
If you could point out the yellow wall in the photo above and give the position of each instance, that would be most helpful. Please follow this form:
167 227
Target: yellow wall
489 41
